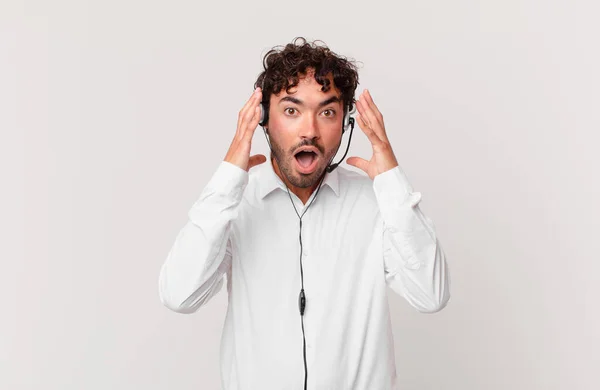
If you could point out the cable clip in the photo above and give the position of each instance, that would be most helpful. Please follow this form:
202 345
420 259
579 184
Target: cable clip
302 302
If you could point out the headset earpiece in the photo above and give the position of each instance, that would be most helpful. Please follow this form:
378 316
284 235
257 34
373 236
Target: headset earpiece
347 119
263 116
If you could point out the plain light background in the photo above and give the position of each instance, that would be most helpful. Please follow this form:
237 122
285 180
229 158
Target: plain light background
114 114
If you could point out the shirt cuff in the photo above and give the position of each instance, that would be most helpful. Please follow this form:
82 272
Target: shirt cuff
228 179
392 187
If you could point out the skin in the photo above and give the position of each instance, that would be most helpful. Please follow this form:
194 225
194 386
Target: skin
304 117
307 122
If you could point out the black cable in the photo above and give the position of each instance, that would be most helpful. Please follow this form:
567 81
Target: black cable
302 296
304 352
330 167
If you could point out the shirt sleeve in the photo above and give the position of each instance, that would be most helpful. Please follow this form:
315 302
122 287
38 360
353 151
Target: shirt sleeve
195 266
414 263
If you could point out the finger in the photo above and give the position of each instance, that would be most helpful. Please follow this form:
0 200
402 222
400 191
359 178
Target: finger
250 110
366 128
256 160
251 126
368 109
358 162
370 118
372 114
253 102
367 114
361 112
369 100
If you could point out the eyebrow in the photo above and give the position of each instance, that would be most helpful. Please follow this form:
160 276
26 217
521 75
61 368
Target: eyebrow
333 99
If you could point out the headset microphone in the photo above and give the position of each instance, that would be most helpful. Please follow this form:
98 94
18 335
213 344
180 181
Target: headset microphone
350 123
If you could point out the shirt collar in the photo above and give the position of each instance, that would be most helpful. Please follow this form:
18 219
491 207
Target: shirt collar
269 181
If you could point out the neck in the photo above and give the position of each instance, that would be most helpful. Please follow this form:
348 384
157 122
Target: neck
302 193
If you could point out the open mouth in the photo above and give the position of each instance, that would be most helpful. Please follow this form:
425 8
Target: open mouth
306 160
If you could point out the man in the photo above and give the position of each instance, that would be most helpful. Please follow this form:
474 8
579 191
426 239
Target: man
307 253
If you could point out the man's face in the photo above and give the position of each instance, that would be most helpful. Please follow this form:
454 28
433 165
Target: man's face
305 129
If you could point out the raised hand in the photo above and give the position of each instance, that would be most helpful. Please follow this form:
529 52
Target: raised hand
248 118
370 121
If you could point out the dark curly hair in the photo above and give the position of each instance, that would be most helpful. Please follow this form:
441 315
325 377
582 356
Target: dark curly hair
283 65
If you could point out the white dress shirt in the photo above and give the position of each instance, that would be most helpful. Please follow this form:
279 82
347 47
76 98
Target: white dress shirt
359 237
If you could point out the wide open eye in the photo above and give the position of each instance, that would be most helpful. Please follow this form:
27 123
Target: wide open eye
290 110
329 112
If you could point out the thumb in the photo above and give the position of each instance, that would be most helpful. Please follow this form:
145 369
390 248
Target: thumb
256 160
358 162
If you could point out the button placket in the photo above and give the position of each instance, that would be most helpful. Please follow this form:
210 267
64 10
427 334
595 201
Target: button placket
305 235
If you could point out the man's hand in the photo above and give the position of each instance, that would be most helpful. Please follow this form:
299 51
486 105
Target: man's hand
248 118
370 121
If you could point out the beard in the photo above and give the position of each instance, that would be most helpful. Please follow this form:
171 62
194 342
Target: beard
286 162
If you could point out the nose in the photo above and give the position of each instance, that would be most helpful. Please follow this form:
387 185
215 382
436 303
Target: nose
310 127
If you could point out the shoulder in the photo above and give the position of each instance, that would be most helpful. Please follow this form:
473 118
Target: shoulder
355 183
353 177
256 176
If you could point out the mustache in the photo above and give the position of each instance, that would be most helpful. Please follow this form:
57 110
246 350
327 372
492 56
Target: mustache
308 142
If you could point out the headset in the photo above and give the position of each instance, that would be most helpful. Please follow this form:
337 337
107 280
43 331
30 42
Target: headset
347 124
